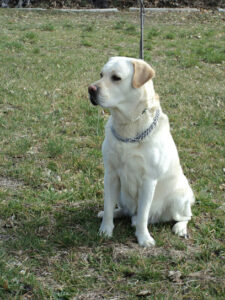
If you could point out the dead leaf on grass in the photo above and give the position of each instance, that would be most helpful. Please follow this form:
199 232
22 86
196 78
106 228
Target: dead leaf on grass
33 150
174 276
222 187
144 293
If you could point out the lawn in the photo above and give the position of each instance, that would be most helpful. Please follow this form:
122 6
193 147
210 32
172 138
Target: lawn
51 170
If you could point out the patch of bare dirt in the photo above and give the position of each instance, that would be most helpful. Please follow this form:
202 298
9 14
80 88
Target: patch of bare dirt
98 295
123 251
8 183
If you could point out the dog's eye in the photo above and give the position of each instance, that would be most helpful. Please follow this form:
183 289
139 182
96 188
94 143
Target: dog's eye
116 78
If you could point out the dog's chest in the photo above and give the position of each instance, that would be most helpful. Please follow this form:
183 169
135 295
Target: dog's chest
128 162
134 163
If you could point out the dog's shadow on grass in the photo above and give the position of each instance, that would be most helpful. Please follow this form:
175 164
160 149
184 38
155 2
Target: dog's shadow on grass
68 228
76 228
80 228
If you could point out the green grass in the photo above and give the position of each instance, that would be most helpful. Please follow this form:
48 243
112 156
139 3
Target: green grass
51 170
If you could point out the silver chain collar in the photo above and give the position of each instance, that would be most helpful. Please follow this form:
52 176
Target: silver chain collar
138 138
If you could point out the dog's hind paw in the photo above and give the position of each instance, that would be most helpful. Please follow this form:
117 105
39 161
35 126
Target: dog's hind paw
180 228
101 214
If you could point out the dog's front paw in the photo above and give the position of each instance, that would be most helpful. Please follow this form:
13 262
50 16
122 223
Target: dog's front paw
106 230
145 239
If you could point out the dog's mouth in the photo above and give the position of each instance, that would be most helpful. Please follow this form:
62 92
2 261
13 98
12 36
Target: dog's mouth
93 94
93 101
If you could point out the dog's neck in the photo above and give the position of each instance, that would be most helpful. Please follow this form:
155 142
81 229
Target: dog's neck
123 116
129 122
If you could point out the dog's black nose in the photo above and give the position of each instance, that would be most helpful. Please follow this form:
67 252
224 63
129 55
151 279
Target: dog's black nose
93 90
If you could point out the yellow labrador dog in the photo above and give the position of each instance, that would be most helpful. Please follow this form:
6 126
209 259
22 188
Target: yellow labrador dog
143 176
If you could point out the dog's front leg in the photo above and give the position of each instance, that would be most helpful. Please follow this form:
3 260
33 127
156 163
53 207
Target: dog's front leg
146 193
111 196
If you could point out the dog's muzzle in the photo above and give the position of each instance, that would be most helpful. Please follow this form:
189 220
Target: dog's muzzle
93 94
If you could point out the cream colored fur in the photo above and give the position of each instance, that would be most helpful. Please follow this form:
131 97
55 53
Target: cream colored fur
143 180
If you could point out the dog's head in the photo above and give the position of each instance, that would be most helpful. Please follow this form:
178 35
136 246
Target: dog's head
122 79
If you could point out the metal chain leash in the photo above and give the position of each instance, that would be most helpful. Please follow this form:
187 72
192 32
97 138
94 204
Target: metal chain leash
142 13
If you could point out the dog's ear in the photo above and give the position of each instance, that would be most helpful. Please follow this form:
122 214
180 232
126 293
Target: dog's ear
142 73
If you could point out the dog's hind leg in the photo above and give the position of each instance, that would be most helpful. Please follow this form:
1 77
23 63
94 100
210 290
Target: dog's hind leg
182 214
